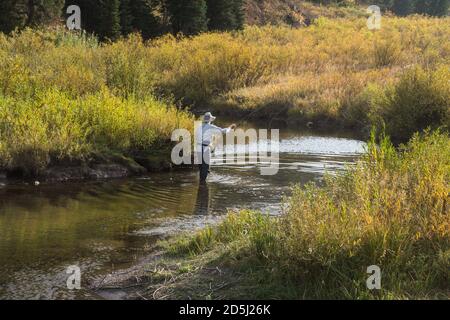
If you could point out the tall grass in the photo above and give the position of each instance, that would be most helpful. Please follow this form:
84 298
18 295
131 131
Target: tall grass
200 69
391 210
65 97
335 71
55 127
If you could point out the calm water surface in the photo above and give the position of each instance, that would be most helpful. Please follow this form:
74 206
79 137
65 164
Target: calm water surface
104 226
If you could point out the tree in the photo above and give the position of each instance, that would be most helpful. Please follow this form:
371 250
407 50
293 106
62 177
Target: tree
101 17
111 18
12 15
21 13
422 6
403 7
225 15
90 14
143 18
442 7
385 4
432 7
126 17
109 27
43 11
221 15
239 13
188 16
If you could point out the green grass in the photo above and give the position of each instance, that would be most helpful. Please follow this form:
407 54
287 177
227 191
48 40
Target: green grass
54 127
391 210
419 100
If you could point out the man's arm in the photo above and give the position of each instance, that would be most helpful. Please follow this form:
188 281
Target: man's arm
224 130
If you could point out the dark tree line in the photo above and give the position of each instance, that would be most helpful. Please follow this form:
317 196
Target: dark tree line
403 7
428 7
112 18
20 13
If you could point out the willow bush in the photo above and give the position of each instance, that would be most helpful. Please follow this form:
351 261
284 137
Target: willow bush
54 126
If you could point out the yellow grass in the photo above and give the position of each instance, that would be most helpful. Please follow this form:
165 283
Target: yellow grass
334 71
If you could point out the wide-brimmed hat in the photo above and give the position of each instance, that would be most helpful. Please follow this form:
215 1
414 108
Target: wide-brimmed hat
208 117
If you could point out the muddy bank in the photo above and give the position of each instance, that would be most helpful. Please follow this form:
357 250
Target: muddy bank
162 277
111 166
126 284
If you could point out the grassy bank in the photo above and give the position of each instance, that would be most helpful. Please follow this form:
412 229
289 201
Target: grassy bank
54 128
391 210
57 108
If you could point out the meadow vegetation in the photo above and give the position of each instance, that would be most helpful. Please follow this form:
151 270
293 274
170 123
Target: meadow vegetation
333 73
63 103
67 98
54 127
390 210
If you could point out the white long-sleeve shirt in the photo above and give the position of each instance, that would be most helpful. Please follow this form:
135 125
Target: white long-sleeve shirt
206 132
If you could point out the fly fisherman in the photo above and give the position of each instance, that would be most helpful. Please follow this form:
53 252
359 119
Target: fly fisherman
204 136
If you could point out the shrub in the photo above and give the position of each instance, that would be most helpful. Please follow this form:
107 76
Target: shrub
128 67
196 70
421 99
306 73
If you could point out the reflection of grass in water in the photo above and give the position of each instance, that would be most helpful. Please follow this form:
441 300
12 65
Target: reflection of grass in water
60 222
390 210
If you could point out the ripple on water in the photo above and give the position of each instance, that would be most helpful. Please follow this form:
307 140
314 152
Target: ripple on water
185 223
44 230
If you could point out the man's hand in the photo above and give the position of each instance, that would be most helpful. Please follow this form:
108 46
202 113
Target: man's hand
233 126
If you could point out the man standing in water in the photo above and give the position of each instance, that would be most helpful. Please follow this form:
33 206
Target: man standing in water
204 136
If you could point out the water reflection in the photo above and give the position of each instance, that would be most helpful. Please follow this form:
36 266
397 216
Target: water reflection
203 201
104 226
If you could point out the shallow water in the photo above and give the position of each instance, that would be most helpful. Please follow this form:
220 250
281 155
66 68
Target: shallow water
104 226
